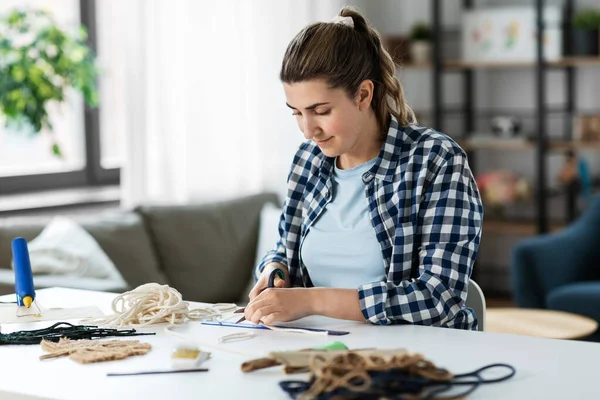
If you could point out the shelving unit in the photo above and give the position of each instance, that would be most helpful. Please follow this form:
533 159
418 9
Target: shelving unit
461 65
500 145
541 144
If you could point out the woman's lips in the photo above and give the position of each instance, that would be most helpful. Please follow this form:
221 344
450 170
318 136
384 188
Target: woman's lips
322 142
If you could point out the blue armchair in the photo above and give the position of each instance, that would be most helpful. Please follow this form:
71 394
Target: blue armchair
561 271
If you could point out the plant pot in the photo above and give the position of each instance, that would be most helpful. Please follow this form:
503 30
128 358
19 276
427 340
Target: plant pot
420 52
585 42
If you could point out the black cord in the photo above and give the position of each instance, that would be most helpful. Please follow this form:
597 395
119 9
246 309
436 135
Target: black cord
65 330
477 373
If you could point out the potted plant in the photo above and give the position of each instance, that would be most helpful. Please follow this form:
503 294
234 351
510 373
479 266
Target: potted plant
420 45
585 33
39 65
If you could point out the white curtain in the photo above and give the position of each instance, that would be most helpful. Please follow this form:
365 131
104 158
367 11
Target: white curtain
194 88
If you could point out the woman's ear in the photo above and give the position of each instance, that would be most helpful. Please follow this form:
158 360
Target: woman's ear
365 94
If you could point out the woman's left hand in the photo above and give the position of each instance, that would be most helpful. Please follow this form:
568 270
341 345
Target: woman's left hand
279 305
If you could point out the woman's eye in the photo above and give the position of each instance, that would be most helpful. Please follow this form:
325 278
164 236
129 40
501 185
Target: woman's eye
323 112
296 113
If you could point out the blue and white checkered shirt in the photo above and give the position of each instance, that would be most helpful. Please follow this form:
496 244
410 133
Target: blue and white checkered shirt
426 210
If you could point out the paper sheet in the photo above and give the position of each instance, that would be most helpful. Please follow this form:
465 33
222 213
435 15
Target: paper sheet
8 313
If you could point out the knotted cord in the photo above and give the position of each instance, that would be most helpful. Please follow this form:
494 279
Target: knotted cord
397 374
66 330
351 370
90 351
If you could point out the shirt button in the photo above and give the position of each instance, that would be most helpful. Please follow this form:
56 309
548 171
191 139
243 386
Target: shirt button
326 193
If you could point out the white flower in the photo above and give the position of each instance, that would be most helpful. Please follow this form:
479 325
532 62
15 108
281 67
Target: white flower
51 51
57 80
24 40
33 53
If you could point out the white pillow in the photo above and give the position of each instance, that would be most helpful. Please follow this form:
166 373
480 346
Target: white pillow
268 230
65 248
268 234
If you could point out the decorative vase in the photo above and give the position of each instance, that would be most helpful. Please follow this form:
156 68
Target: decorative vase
420 52
585 42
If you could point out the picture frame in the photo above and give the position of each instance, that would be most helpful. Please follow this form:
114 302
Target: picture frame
586 128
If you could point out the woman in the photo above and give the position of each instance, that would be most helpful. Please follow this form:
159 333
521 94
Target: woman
382 219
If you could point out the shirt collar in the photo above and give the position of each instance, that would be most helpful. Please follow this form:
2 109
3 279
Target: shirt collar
385 166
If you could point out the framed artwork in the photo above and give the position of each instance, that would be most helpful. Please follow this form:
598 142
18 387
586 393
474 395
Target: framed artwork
587 128
509 34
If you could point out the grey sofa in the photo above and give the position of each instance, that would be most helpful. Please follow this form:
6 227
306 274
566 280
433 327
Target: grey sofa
207 252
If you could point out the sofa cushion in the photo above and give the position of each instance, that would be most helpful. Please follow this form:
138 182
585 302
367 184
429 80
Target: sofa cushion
207 251
581 298
121 235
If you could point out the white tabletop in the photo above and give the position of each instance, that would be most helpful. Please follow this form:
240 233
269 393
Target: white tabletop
546 368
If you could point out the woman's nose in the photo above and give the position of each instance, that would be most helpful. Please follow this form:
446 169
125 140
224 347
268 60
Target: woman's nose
310 128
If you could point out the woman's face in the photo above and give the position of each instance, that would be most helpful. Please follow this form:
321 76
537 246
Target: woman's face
326 116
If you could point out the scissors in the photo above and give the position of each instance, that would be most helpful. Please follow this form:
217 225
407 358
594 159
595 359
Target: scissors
277 272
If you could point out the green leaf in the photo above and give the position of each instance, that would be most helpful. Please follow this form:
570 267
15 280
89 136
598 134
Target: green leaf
41 71
587 19
56 150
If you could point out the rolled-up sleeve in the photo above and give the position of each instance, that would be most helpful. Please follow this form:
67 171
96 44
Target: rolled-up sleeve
447 229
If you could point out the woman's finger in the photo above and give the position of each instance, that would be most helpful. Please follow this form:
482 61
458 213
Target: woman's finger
271 318
254 304
278 282
262 312
258 288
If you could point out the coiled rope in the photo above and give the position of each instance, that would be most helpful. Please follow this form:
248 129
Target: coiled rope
152 304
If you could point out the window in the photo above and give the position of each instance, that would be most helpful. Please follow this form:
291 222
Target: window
112 85
89 158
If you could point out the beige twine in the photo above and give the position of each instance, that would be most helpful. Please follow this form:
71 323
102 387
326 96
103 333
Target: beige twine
90 351
351 370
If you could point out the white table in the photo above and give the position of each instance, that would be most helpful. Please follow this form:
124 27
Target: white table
546 368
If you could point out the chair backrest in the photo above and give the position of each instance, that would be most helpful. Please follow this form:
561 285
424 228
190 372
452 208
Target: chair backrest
476 301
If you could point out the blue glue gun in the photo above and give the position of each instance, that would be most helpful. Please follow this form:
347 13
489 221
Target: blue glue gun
23 275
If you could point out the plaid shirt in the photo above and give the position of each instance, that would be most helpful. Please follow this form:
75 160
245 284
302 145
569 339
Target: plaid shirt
426 212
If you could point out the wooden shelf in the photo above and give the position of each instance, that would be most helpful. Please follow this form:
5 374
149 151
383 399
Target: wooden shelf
412 65
576 62
500 145
459 64
564 145
523 228
496 145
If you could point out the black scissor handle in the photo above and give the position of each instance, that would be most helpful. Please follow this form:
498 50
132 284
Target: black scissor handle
276 272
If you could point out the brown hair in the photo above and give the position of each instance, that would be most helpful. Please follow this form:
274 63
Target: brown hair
345 56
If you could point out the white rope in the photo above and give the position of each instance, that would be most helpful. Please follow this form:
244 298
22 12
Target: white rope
169 332
238 336
152 303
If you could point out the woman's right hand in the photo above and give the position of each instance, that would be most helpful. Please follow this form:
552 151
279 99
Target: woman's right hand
263 279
